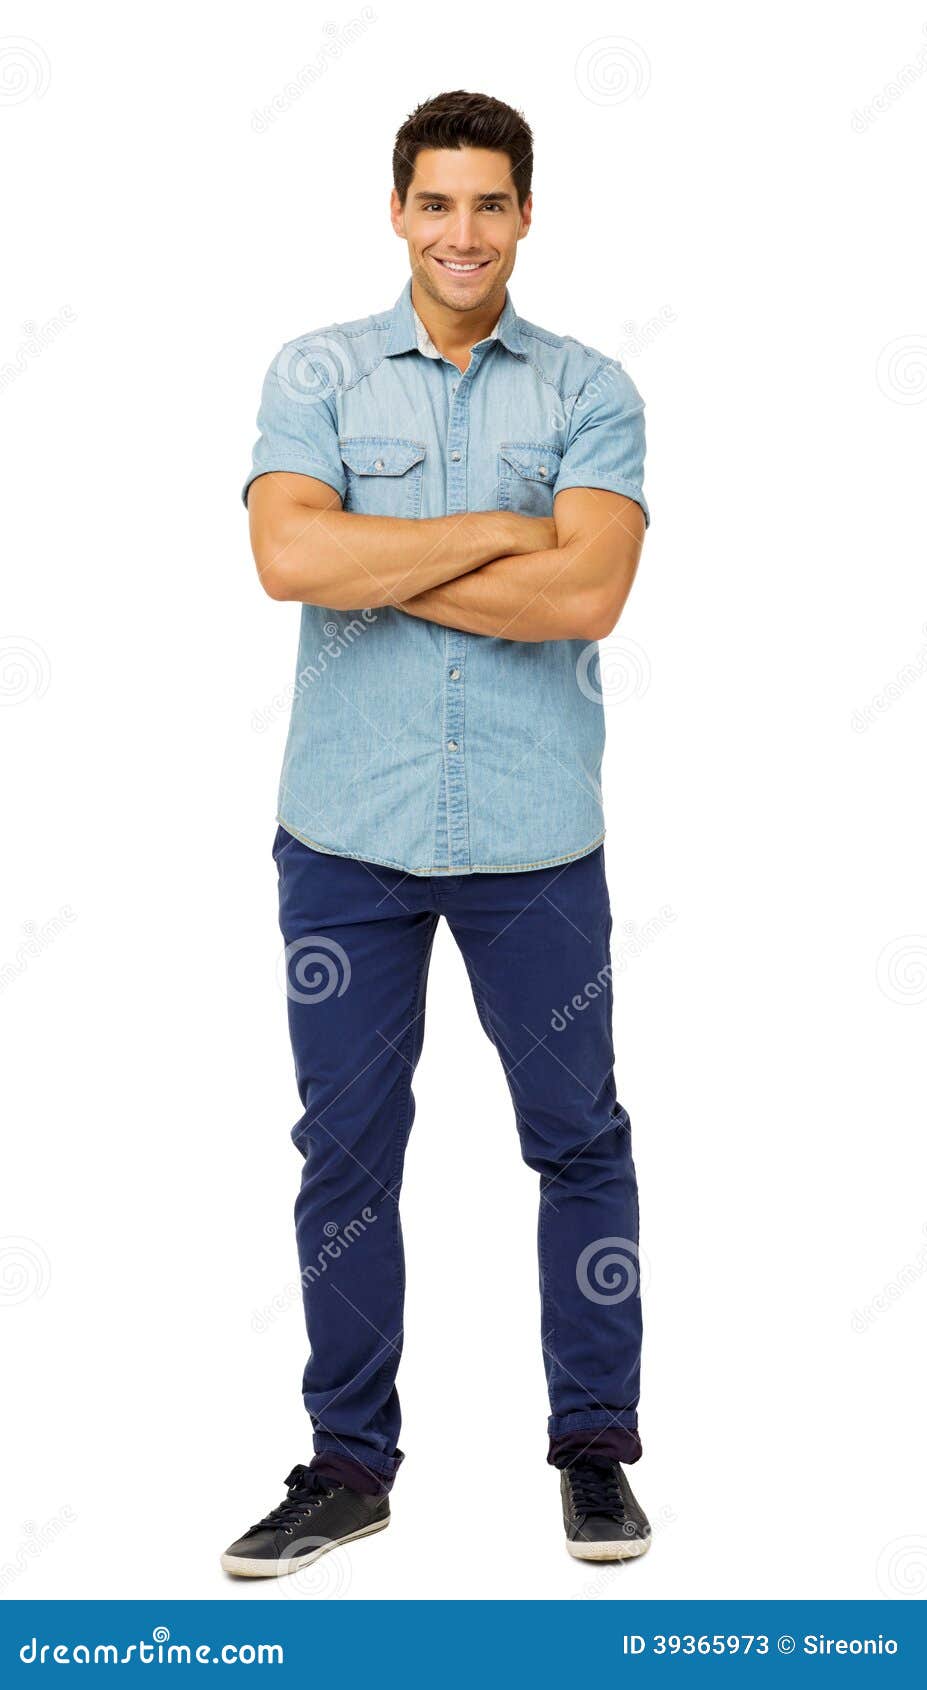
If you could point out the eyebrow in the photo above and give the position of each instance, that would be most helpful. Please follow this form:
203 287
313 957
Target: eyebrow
422 195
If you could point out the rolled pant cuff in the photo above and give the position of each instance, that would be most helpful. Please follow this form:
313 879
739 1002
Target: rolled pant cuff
369 1474
579 1434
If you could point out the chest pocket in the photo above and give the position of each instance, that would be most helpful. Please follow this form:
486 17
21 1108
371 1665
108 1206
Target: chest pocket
384 477
528 477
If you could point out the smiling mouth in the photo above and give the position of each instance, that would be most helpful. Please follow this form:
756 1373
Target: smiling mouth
454 268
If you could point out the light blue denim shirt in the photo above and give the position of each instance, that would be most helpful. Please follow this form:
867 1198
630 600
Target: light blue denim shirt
417 746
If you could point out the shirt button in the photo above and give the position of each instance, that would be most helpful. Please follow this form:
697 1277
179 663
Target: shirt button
378 464
542 470
455 457
452 745
455 674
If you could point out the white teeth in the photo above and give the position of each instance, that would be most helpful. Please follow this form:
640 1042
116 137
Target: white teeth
449 266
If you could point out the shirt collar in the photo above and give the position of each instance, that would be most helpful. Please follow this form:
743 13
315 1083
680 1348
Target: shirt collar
425 343
408 333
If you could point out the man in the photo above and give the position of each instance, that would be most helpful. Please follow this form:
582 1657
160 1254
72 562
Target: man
474 483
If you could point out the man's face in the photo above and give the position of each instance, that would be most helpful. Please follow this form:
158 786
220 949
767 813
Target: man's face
462 224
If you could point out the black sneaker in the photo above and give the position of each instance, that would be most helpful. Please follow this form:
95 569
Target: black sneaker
318 1515
601 1515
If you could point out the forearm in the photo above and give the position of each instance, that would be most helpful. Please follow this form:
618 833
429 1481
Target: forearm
536 596
574 588
342 559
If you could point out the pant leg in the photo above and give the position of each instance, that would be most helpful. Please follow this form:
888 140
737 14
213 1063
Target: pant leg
358 942
536 947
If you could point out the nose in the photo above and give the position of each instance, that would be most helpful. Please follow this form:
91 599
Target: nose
463 234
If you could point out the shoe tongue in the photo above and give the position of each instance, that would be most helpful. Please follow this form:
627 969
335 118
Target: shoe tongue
301 1478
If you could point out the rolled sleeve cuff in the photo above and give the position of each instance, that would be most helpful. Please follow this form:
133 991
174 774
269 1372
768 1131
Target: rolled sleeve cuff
295 465
628 488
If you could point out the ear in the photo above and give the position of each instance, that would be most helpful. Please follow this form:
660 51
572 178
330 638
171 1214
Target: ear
396 214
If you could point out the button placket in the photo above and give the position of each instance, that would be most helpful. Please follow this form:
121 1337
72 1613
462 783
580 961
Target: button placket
458 827
455 641
458 439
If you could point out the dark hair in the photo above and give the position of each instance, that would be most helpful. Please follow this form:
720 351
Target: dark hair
464 120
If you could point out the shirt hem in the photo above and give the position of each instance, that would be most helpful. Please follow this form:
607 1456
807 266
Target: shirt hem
472 868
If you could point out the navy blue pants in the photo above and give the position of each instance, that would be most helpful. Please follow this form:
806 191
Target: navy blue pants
358 940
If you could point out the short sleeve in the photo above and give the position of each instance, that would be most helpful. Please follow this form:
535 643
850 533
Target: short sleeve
298 421
607 444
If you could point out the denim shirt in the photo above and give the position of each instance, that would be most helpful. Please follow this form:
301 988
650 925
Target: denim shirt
412 745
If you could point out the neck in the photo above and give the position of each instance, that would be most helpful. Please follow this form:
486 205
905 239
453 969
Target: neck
455 332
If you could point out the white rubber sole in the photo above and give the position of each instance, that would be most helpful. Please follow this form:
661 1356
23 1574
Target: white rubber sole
609 1551
243 1567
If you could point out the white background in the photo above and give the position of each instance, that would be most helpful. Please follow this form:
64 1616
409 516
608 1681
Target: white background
697 170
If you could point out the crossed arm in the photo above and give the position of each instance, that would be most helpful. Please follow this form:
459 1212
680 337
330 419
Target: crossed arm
488 572
575 588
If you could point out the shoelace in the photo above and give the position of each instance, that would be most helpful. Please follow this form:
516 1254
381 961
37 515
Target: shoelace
305 1489
594 1489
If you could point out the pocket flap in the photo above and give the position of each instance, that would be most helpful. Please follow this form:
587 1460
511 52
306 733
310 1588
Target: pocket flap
533 463
381 457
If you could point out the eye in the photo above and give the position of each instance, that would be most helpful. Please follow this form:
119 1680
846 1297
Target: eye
491 205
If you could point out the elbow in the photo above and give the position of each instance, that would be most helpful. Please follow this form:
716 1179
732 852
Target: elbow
283 584
597 628
275 584
272 572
